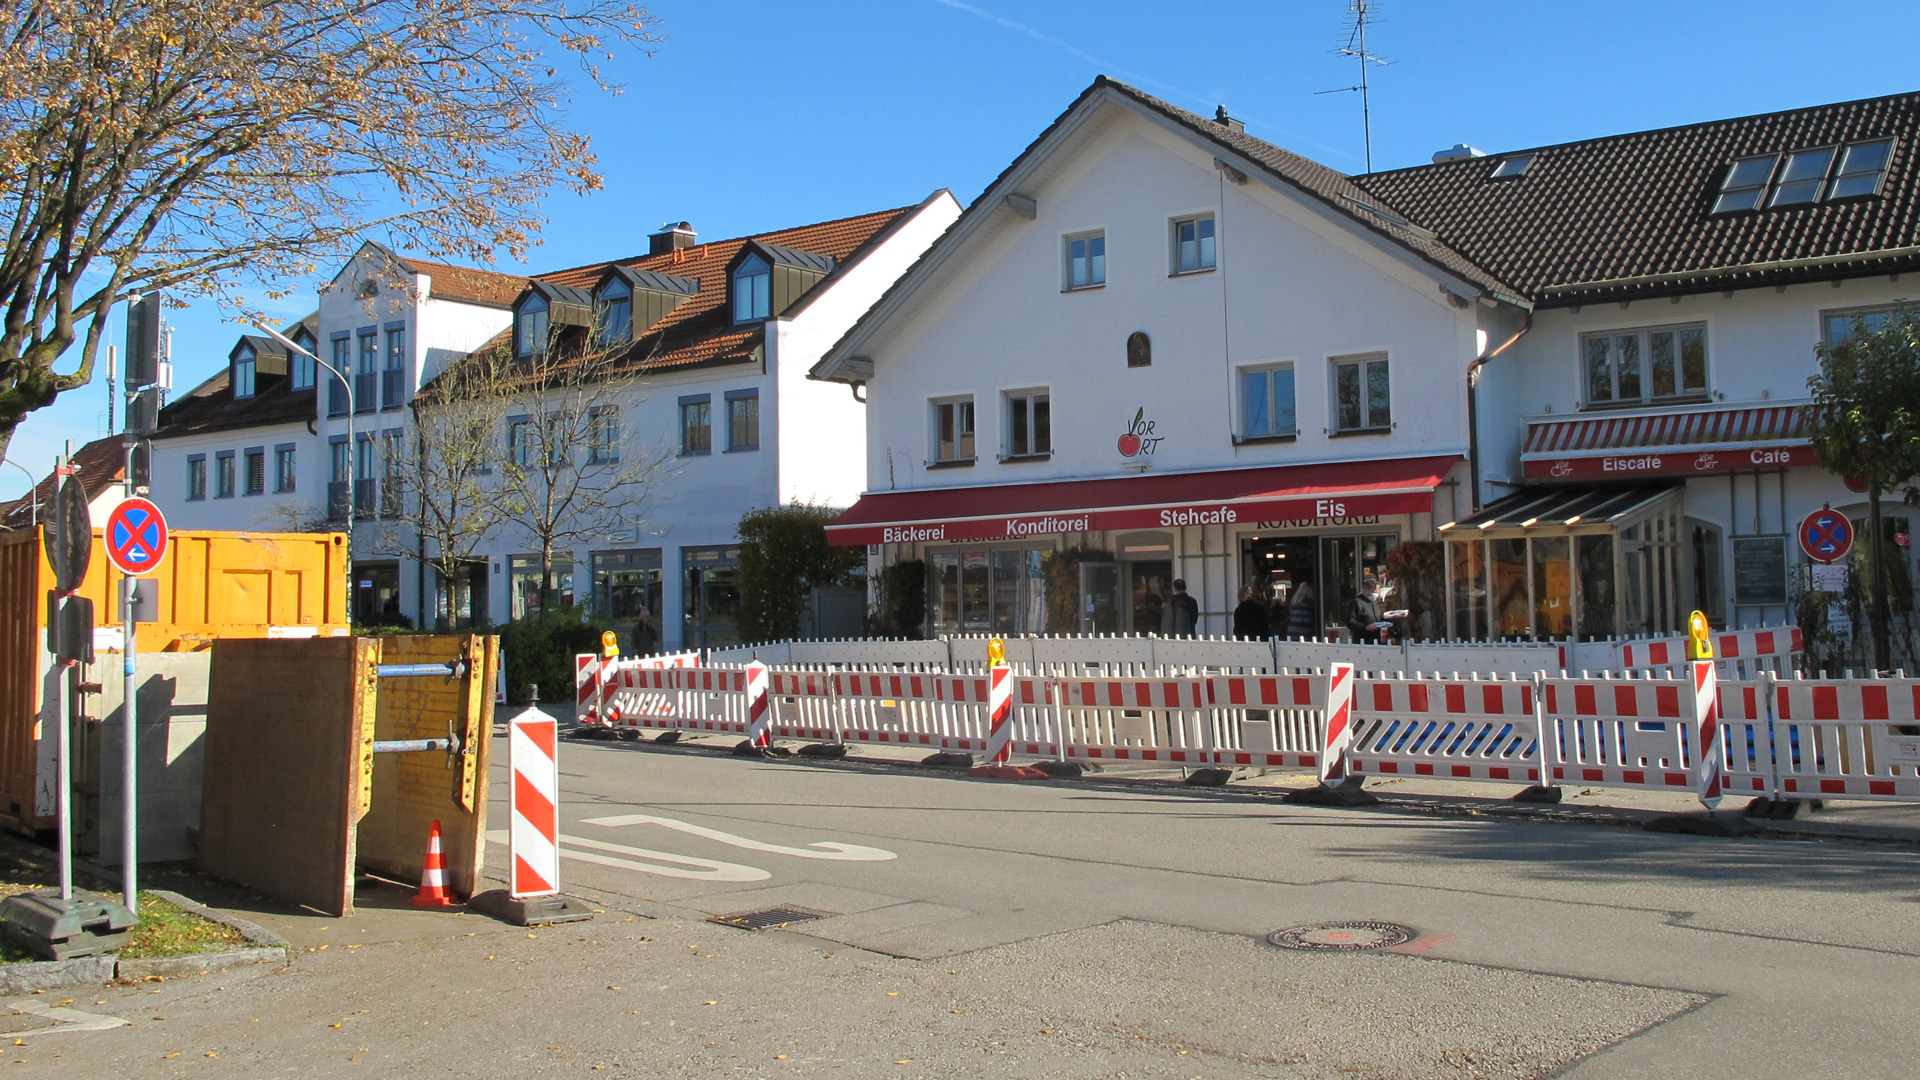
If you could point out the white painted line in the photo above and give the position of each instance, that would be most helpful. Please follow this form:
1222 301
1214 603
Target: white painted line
64 1019
825 849
704 869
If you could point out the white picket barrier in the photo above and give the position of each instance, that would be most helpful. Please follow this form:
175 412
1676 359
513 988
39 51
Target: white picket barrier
1212 656
1824 738
1295 653
968 653
1095 655
1270 721
1740 655
1505 657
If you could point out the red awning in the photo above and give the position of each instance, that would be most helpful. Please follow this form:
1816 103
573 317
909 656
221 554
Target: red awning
1285 493
1679 442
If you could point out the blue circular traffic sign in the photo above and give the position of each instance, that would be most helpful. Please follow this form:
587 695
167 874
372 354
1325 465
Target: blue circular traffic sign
136 536
1826 535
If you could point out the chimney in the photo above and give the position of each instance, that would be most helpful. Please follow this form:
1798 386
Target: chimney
671 236
1220 117
1456 153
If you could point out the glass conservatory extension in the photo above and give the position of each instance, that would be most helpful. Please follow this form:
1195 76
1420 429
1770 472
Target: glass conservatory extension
1568 564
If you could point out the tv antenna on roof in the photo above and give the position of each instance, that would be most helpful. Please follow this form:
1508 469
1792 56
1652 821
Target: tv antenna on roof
1359 12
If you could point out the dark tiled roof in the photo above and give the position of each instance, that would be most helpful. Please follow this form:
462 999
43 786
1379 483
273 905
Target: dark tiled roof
210 406
786 256
1589 218
99 463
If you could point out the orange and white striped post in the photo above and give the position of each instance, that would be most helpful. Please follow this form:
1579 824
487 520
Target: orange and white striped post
533 805
999 713
1709 779
1333 757
759 708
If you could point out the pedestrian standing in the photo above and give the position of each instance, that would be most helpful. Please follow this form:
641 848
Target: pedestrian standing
1183 613
1250 618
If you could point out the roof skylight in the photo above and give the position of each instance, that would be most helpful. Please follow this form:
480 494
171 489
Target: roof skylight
1516 165
1804 177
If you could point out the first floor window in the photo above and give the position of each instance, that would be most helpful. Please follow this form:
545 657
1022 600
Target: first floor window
1631 367
1361 398
392 467
1193 244
197 477
603 436
1086 261
223 475
953 430
1029 424
393 379
520 438
743 420
366 386
283 468
257 471
534 590
696 425
1266 401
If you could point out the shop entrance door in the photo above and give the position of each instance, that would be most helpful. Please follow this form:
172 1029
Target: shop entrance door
1100 598
1149 584
1277 567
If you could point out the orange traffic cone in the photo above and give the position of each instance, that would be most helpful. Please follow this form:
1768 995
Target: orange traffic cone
433 895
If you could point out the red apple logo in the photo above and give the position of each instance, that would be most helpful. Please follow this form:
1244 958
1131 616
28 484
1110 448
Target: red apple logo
1129 444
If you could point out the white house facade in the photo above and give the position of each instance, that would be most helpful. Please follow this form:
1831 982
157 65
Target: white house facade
1157 347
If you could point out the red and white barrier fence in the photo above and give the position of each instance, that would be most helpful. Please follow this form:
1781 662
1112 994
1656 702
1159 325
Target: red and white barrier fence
1695 732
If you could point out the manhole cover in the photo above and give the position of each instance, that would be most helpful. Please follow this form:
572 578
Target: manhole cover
772 917
1342 936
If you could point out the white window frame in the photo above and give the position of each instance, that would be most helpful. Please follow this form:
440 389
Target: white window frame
1647 398
934 426
1369 424
1067 260
1025 402
1883 311
1208 245
1242 427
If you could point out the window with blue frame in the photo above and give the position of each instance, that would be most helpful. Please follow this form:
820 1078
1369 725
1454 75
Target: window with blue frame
696 425
241 367
337 390
743 419
616 312
393 379
530 331
752 290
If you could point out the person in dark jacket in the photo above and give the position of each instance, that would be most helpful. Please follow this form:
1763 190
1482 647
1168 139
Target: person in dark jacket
1250 618
1183 613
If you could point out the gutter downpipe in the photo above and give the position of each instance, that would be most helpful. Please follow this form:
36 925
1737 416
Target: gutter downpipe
1473 406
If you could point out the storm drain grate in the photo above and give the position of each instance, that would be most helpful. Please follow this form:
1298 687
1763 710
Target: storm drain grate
1354 936
772 917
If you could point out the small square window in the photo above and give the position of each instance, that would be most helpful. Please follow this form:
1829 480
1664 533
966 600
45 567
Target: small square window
1266 402
1029 424
1193 244
1086 258
952 423
1361 394
1746 184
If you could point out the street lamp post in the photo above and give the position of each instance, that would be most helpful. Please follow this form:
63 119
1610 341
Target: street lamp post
351 448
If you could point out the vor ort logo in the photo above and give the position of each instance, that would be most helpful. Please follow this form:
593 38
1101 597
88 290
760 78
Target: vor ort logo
1140 441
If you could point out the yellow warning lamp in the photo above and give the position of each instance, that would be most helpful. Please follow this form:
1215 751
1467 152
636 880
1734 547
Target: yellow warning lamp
996 653
1699 639
610 645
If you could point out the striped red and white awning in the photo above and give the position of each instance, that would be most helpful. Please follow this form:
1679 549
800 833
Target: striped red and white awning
1667 443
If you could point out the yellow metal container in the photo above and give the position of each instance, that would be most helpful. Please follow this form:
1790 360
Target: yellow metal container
212 585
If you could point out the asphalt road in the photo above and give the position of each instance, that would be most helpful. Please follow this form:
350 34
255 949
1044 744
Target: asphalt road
973 928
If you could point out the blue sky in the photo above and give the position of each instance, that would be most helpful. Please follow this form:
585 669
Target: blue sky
756 114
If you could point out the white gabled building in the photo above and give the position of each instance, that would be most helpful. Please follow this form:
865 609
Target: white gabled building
1579 366
1159 348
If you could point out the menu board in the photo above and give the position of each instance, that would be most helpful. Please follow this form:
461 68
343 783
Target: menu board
1759 570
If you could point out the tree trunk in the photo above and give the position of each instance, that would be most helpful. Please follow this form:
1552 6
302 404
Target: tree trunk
1882 617
546 576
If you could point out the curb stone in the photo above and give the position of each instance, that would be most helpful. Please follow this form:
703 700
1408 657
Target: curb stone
270 948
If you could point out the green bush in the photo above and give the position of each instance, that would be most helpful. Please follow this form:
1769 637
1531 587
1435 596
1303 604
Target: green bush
783 554
540 651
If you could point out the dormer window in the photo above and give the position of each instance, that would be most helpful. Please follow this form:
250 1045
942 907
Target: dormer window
752 290
614 316
242 371
530 332
301 363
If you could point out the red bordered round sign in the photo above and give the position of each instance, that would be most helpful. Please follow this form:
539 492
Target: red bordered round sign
136 537
1826 535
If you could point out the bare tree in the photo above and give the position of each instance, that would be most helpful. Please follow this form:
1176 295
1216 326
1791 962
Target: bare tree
574 467
293 515
440 505
195 145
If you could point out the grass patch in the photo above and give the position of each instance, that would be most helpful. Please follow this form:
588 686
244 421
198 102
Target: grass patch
167 929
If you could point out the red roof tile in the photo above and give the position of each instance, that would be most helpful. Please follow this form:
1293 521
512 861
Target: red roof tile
99 463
